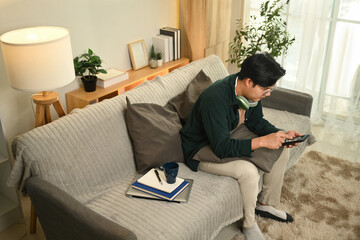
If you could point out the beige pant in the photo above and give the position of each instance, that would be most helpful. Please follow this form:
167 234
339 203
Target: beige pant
248 177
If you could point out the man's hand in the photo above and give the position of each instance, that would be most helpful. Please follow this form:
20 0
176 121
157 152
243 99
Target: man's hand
271 141
293 134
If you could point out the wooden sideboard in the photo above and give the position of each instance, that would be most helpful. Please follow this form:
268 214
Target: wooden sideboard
79 98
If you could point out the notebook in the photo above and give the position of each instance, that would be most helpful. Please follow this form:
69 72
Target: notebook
150 179
153 191
183 197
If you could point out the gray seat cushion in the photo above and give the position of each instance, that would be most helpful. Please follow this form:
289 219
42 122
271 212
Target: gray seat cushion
214 203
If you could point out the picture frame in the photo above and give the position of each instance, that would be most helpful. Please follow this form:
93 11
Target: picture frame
138 54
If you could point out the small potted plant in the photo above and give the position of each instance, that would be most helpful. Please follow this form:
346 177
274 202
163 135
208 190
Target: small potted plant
87 66
159 58
152 59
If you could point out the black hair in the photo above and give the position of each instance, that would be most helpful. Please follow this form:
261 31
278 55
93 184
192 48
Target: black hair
262 69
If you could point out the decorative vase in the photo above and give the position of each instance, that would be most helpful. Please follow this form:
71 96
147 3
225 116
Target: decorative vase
89 83
159 62
153 63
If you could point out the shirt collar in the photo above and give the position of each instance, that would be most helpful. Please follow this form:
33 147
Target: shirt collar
236 82
233 83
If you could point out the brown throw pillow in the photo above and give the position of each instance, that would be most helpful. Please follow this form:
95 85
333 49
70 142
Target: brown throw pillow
183 102
154 131
263 158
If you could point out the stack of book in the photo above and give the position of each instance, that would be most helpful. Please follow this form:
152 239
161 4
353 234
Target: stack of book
112 77
168 43
150 184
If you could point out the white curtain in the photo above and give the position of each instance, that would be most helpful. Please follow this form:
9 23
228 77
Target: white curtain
343 82
330 74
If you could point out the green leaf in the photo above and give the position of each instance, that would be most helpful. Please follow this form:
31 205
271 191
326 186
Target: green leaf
266 6
87 63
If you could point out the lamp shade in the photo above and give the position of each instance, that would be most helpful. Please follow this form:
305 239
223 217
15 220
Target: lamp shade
38 58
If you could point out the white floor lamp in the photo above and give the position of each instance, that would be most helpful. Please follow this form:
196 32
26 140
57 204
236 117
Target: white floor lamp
39 59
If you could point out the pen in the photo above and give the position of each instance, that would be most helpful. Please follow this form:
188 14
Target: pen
158 177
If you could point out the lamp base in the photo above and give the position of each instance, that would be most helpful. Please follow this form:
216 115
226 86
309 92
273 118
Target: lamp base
43 101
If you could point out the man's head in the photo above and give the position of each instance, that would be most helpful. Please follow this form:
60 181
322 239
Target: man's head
262 69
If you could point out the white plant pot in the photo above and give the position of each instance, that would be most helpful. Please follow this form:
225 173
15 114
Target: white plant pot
159 62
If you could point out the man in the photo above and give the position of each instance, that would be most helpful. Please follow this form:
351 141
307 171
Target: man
228 118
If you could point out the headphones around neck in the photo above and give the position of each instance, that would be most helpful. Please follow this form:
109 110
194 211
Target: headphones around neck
245 103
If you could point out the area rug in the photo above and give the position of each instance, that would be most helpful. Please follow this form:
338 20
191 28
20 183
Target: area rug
322 193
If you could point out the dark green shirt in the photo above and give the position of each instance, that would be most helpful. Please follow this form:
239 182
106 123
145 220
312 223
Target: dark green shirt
213 116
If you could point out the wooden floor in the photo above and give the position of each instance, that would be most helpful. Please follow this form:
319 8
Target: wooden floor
20 231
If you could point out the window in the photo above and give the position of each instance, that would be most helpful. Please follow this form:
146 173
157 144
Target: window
325 58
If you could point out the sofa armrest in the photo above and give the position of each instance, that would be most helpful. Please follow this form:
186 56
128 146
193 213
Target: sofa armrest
289 100
63 217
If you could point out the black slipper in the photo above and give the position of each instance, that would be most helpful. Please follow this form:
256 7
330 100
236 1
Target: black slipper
274 217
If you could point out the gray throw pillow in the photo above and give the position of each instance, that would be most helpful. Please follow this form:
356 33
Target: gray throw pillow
183 102
154 131
263 158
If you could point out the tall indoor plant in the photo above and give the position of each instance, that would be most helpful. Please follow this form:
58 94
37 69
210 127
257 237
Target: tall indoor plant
265 34
87 66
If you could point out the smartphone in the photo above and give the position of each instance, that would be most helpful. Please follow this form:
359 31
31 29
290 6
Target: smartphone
295 140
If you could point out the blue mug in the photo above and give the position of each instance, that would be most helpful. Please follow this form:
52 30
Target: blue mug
171 170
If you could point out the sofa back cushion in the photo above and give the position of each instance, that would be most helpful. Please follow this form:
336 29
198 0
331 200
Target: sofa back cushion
163 88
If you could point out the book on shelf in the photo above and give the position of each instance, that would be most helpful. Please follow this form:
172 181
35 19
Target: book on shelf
161 194
112 77
162 45
174 34
170 46
178 35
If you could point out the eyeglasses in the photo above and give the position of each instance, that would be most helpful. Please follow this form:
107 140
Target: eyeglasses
268 90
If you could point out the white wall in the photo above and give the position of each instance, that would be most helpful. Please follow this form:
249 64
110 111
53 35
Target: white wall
105 26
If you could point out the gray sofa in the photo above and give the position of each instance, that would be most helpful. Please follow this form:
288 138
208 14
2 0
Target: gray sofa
78 168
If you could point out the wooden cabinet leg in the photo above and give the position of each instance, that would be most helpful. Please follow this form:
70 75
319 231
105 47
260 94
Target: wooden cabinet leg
33 219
